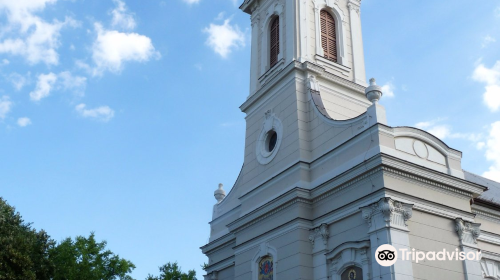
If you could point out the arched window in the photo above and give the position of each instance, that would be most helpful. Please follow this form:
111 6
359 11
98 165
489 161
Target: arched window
328 36
275 41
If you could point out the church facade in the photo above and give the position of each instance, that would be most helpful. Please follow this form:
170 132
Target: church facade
326 181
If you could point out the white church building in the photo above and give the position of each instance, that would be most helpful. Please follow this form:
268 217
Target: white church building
326 180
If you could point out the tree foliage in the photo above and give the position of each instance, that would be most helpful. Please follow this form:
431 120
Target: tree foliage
172 271
86 259
27 254
24 252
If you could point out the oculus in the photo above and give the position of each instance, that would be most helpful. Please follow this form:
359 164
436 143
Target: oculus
269 139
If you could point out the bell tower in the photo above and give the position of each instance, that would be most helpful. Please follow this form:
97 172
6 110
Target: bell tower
324 32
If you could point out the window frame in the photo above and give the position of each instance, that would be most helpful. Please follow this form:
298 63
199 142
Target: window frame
340 32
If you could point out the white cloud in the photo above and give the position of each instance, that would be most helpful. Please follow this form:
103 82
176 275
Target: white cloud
443 131
103 113
19 81
192 1
5 62
43 87
440 131
388 89
112 49
23 122
488 40
75 83
5 106
491 77
480 145
121 17
29 35
493 152
224 38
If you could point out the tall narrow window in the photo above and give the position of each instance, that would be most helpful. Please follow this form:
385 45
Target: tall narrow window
328 36
275 41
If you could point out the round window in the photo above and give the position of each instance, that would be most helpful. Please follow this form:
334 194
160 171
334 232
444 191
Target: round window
271 140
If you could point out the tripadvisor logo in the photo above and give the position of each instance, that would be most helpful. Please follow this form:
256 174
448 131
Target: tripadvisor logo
387 255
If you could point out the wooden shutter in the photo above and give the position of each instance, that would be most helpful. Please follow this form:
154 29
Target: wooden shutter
275 41
328 36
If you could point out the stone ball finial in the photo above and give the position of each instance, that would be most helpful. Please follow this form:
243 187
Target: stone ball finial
220 194
373 92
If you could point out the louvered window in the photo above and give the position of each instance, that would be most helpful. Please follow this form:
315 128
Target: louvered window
275 41
328 36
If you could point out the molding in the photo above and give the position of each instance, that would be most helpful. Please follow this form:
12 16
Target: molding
278 232
430 207
217 243
409 177
349 254
489 237
271 208
321 71
271 73
352 244
218 266
271 123
486 213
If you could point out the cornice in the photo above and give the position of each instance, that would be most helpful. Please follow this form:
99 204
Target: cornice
266 87
489 237
221 241
277 73
433 177
321 71
486 213
430 207
220 265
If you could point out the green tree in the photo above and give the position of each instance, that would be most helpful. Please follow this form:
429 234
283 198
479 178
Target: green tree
172 271
87 259
24 252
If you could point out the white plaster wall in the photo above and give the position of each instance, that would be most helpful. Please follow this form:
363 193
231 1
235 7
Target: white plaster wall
433 233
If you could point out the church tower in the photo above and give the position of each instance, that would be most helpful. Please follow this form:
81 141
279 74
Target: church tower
325 181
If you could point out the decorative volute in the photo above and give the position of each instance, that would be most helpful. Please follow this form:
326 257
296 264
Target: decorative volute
220 194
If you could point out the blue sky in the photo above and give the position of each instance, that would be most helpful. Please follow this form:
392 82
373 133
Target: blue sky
121 117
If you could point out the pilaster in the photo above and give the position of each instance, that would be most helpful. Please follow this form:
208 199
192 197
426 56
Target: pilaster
254 71
467 234
387 225
357 42
319 249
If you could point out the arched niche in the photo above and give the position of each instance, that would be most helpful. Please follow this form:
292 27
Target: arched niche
265 254
350 257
